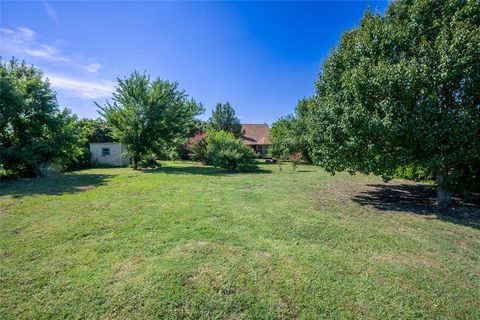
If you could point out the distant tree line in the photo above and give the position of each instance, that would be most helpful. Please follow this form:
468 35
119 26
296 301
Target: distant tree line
153 118
36 135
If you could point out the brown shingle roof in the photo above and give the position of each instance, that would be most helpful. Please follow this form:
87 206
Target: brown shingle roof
256 134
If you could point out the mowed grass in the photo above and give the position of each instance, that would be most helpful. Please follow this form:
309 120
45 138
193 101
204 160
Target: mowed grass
189 241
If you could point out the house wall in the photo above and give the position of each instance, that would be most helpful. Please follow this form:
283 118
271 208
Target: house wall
116 158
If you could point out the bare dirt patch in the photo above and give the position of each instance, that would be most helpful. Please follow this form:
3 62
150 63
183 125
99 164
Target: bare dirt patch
402 196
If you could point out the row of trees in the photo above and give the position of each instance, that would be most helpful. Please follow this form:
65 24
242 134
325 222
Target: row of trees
153 118
35 135
400 91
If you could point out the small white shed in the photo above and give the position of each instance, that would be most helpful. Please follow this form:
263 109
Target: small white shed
109 153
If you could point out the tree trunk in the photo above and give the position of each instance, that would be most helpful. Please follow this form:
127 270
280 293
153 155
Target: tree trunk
443 194
135 160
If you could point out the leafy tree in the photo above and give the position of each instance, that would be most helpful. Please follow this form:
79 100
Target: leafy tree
95 130
283 137
226 151
33 131
288 134
90 131
148 115
196 127
403 89
224 118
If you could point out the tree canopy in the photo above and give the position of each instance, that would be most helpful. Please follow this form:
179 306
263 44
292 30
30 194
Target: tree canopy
33 130
224 118
148 115
403 89
95 130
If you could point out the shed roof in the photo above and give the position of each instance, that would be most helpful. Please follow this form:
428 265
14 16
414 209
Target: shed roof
108 142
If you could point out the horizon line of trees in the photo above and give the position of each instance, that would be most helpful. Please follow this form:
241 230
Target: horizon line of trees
152 117
398 96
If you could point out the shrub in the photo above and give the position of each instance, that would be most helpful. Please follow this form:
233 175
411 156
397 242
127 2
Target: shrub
197 146
225 151
295 160
280 166
183 151
199 151
173 154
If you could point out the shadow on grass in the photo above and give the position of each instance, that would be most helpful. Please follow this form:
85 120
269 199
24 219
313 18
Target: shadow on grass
206 170
56 185
202 170
420 199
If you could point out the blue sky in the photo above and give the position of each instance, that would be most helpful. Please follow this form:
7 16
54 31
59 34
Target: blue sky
262 57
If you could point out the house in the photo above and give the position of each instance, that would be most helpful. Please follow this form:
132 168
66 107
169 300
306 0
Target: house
109 153
257 137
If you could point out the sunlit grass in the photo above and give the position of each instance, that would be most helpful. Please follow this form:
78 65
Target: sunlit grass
189 241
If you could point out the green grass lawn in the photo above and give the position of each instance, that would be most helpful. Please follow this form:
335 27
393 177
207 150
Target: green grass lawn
189 241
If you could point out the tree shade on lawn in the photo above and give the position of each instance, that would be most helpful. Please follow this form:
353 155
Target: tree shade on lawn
403 89
192 241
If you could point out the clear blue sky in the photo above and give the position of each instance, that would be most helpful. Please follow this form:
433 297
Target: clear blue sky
262 57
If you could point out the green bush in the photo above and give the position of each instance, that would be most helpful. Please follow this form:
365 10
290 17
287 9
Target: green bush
198 148
225 151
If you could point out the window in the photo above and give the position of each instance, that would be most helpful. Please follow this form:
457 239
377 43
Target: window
105 152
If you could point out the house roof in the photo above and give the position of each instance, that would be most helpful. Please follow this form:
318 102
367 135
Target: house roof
256 134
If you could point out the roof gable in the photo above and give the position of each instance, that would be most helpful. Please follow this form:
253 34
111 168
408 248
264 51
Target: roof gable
256 134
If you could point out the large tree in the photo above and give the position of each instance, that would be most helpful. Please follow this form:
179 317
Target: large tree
33 131
224 118
91 130
148 115
403 89
95 130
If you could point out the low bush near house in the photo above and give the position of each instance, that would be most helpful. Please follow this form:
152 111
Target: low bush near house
197 147
225 151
